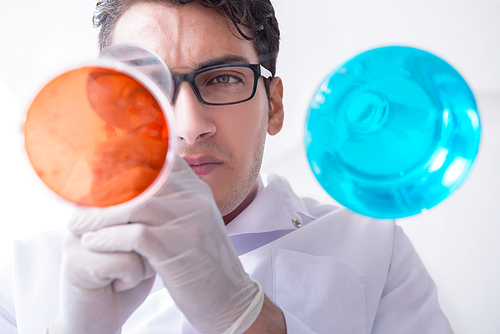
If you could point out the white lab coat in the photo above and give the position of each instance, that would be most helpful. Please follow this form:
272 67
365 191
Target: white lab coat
330 271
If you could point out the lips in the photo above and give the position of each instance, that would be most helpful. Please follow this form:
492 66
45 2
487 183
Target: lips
203 165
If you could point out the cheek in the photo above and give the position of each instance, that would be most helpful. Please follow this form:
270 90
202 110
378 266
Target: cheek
246 126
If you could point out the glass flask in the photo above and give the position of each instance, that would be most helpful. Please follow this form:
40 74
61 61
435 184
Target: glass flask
99 135
392 132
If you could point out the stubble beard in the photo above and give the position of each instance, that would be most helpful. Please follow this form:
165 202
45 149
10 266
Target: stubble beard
237 192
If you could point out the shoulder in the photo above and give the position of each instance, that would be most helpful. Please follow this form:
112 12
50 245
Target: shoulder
330 273
33 253
38 259
36 265
329 227
38 247
355 239
31 273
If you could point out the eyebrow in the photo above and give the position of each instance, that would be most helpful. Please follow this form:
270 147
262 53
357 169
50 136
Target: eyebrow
229 59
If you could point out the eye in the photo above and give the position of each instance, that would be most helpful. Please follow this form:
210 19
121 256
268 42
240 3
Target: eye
225 79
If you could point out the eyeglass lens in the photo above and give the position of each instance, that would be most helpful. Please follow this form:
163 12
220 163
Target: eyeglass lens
226 85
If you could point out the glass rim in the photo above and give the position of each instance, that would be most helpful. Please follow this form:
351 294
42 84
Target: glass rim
165 106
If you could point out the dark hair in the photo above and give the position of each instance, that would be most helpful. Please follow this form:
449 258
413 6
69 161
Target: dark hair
257 16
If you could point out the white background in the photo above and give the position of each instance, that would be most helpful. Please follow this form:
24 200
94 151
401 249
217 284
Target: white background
459 241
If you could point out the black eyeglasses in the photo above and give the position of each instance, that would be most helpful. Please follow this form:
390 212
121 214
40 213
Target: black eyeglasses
223 84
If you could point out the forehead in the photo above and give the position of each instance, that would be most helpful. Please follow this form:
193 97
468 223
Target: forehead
185 36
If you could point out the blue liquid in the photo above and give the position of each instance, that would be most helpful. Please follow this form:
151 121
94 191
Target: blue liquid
392 132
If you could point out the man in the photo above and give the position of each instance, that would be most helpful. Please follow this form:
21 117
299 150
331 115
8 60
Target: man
169 265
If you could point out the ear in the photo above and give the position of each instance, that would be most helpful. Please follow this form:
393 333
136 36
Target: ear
276 105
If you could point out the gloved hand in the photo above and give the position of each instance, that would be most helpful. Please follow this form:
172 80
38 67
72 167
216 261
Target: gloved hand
181 233
98 292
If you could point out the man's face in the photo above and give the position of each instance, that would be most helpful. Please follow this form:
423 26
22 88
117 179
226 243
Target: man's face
223 144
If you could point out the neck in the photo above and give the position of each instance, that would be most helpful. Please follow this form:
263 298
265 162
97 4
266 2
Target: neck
243 205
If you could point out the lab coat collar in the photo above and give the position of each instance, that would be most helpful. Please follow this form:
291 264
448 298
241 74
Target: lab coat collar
275 208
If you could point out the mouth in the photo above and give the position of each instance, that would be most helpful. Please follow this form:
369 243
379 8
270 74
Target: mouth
203 165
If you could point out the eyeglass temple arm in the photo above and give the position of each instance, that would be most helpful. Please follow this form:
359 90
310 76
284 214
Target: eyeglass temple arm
265 72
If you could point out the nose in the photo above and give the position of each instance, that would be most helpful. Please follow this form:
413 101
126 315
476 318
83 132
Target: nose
191 118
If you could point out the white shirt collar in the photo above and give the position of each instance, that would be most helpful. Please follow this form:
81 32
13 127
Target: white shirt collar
276 207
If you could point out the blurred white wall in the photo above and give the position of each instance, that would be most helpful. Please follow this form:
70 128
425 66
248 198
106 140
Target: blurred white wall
458 240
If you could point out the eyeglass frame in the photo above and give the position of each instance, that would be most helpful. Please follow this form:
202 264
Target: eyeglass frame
258 71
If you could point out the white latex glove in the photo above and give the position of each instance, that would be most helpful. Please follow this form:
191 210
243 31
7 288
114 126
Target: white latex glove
98 292
181 233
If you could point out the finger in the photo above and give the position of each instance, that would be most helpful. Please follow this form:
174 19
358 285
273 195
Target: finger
182 179
148 274
90 270
114 239
140 290
94 219
125 270
182 190
156 211
155 244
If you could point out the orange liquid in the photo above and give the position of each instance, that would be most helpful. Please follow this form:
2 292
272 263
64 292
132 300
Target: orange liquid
96 137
